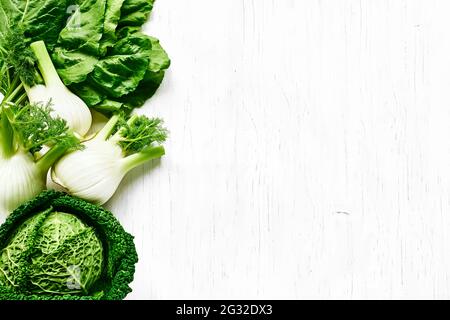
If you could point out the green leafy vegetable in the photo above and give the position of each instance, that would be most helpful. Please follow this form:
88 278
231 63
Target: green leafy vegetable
104 92
140 133
65 256
135 12
108 62
56 247
98 51
120 73
78 48
112 17
159 62
34 127
41 19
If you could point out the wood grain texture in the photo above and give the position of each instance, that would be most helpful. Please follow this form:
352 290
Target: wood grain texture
309 152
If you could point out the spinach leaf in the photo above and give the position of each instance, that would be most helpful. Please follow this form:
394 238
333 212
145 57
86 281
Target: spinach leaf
120 73
135 12
88 92
112 17
78 49
159 63
96 95
104 58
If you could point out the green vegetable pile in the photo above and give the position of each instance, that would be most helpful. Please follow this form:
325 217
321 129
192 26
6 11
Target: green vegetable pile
99 51
72 73
59 247
110 63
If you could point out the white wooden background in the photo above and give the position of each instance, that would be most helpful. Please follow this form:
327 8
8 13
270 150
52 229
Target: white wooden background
309 154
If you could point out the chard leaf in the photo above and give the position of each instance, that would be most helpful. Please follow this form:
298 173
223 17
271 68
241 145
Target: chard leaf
84 29
119 73
72 66
107 61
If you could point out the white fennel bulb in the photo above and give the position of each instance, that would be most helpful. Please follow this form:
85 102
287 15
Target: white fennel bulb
24 130
21 180
98 171
94 173
64 103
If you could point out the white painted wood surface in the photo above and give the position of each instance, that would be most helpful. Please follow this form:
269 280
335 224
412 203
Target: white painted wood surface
309 152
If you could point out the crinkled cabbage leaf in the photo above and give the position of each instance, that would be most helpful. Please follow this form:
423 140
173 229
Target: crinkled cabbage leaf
52 253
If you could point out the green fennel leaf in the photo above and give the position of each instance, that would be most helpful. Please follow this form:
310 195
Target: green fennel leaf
140 132
18 55
35 127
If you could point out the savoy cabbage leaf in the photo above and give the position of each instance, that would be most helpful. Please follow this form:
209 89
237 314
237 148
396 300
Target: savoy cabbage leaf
52 253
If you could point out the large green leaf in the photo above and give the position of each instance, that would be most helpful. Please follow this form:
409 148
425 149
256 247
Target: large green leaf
99 97
78 48
159 63
106 60
112 17
88 92
121 72
135 12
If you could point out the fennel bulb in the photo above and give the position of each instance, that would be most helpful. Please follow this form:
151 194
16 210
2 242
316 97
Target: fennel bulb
64 103
24 130
95 172
21 179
